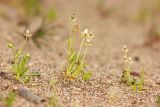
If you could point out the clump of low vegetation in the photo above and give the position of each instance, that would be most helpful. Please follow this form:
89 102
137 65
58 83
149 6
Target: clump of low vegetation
53 101
9 100
135 83
20 60
76 67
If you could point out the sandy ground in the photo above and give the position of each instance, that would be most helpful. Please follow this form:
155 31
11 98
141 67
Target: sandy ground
104 57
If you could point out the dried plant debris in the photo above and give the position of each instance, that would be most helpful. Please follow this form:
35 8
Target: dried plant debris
29 95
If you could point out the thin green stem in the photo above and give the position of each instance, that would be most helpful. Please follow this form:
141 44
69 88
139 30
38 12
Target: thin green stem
17 54
70 48
84 54
80 49
74 39
70 68
23 44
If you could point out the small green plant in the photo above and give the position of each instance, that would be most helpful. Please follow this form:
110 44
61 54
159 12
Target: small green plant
135 84
20 60
10 99
76 59
53 99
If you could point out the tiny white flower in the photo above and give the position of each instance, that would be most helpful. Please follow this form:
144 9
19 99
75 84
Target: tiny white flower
89 38
125 48
27 33
124 58
130 60
84 33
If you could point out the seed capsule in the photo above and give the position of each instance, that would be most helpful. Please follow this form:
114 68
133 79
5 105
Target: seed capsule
72 18
76 28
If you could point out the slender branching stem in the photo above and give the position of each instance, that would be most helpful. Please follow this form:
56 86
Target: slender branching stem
74 39
80 49
23 44
84 54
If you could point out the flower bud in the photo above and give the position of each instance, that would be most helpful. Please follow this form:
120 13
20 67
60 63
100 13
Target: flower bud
72 18
28 55
84 33
10 45
27 33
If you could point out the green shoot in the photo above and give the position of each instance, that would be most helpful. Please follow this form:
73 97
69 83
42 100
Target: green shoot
158 100
1 98
86 76
20 60
135 84
140 82
76 59
51 15
52 83
53 100
31 7
9 100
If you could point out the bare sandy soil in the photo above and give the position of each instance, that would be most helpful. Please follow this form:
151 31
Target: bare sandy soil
104 57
